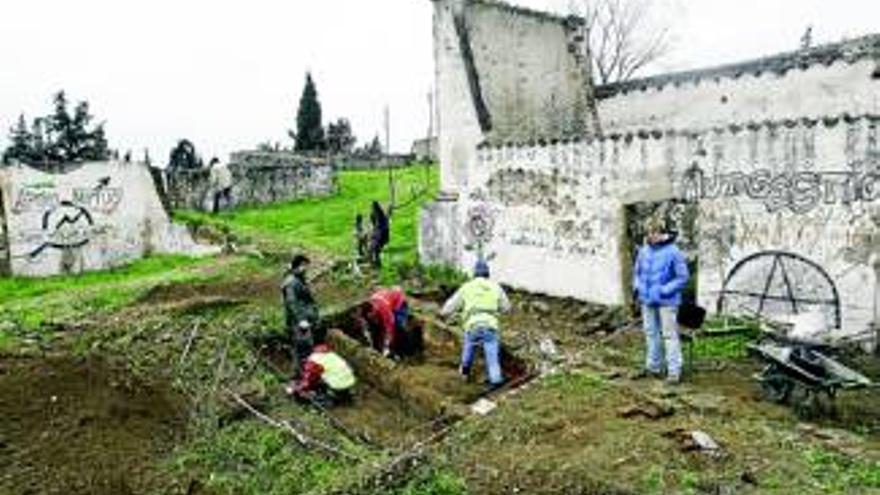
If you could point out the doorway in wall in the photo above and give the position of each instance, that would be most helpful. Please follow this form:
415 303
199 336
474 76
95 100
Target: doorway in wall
680 218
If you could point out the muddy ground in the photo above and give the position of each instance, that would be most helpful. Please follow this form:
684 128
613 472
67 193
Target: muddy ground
82 426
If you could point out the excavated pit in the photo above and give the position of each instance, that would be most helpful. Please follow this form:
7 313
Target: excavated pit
400 402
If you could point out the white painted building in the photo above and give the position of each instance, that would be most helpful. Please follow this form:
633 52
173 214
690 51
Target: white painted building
777 156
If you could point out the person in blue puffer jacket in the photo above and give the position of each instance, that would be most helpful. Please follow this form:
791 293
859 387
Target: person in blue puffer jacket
659 276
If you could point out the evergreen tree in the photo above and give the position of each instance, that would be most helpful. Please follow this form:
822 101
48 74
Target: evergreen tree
21 138
309 131
375 147
58 137
339 136
184 156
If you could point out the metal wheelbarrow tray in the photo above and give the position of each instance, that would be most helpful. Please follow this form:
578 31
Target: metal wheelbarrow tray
800 374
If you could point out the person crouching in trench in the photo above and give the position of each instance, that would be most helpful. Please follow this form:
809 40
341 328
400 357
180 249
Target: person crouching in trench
326 380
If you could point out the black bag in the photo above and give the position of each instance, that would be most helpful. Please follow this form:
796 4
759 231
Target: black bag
691 315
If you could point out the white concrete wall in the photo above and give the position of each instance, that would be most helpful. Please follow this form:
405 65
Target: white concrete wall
531 79
559 221
92 217
817 91
459 130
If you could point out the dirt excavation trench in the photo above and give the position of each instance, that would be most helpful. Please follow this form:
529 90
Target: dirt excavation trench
400 402
81 426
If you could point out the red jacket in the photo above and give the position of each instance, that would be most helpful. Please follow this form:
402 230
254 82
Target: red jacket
310 378
385 302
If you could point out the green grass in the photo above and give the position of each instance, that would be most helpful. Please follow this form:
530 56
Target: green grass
727 345
836 473
15 288
327 224
435 482
28 305
248 458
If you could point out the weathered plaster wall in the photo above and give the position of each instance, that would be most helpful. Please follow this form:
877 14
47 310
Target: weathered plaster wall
530 75
826 80
811 188
773 135
502 74
257 178
460 130
88 216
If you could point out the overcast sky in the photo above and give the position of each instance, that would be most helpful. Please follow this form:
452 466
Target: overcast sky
228 75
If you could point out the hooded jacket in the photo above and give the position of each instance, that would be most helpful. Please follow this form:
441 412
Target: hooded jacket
660 274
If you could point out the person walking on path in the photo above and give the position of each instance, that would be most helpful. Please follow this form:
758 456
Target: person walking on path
380 234
480 301
659 276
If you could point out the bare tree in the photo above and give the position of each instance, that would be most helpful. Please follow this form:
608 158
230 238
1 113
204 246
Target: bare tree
621 37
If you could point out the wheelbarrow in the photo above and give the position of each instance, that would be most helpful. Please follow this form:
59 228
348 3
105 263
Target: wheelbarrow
803 375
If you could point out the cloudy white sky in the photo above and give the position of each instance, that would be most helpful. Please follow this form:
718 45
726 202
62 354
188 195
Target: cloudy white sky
228 74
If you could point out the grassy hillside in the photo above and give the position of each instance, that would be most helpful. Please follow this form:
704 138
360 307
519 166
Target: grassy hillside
327 224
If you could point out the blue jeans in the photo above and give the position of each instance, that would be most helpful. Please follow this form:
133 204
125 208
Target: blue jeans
400 317
491 348
660 320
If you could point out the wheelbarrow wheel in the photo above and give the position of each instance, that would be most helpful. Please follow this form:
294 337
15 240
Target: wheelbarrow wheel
811 403
775 386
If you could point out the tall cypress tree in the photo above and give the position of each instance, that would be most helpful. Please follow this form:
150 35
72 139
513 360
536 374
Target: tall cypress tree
309 132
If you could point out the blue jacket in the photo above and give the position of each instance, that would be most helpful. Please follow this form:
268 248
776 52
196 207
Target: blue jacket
660 274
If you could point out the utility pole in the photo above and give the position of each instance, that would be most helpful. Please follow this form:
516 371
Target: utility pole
391 189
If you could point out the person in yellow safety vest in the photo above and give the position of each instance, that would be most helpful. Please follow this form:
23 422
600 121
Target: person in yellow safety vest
481 301
326 378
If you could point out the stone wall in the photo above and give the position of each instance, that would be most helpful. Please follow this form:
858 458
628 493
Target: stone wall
360 162
82 217
258 178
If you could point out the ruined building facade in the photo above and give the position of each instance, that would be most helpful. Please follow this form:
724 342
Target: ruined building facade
768 169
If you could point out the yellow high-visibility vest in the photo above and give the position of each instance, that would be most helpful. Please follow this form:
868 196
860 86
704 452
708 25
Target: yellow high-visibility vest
481 303
337 373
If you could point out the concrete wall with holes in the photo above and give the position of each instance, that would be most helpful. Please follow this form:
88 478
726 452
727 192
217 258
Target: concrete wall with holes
82 217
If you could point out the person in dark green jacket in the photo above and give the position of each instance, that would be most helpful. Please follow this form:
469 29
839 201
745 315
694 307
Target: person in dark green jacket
301 311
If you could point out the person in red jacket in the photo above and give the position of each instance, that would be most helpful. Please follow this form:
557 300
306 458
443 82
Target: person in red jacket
386 313
326 378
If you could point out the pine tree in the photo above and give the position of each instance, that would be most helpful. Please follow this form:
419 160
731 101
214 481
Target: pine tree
339 136
375 146
184 156
58 137
20 137
309 132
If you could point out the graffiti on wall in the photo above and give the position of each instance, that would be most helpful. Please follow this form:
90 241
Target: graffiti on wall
799 192
64 223
778 283
519 187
